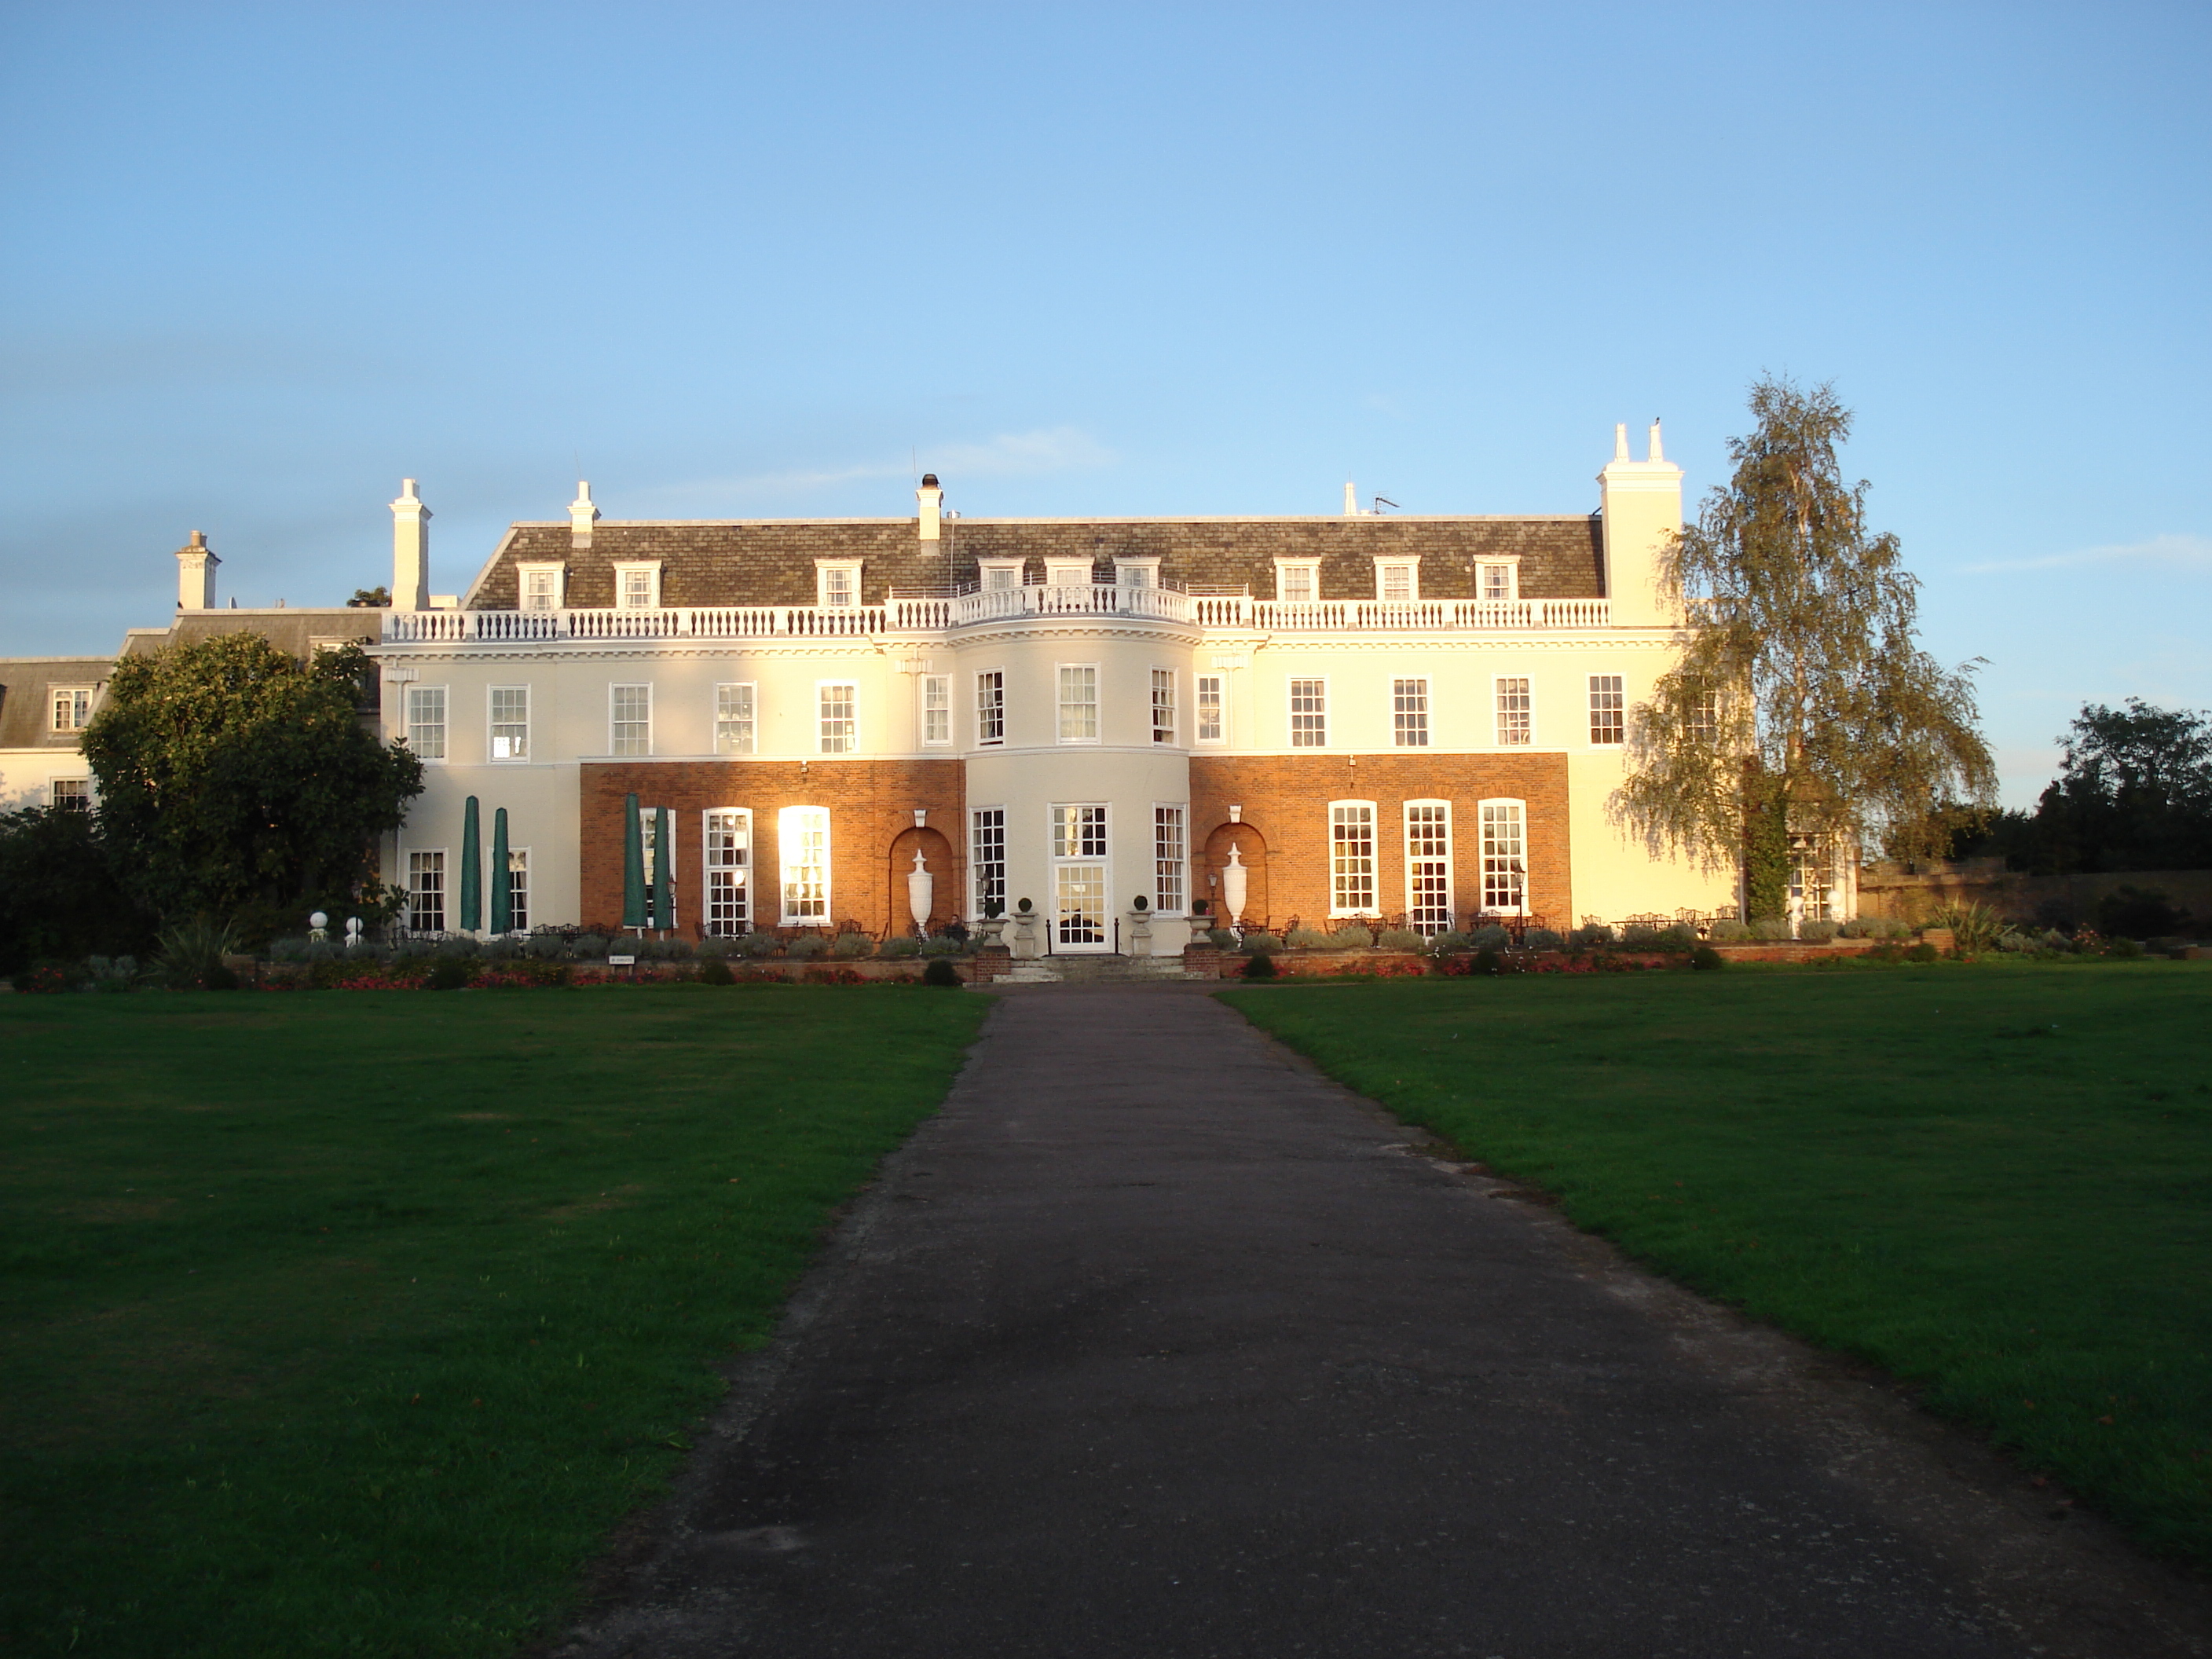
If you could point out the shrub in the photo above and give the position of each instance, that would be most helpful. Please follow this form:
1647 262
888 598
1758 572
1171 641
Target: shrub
1973 927
933 948
1351 937
806 947
903 945
758 944
1492 938
1486 960
1705 959
1259 964
1681 937
716 946
1448 940
548 947
1306 939
941 971
1923 952
1820 933
1590 936
1541 939
1400 939
2136 913
590 947
1729 932
287 949
846 946
715 971
1221 939
2118 947
1258 943
449 973
2055 940
676 950
1767 929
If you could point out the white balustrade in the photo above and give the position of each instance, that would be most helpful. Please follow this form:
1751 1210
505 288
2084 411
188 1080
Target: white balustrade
928 614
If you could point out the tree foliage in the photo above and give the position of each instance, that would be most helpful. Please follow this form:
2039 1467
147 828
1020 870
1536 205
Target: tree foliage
233 774
1800 701
59 896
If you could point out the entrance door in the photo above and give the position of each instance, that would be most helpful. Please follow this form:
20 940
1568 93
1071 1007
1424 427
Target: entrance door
1079 920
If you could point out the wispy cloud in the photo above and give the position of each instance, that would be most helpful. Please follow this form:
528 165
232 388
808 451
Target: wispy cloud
2182 552
1010 454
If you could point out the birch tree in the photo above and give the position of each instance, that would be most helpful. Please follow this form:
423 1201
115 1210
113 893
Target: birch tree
1801 700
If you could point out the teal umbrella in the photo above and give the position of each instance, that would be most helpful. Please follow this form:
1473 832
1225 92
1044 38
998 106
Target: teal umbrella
502 879
633 864
471 870
663 884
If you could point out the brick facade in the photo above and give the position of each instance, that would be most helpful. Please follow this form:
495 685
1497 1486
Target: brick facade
1285 798
872 832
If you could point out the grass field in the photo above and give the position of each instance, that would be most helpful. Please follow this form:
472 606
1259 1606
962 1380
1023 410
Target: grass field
1995 1181
346 1323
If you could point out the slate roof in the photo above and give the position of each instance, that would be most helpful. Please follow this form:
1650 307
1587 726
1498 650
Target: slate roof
771 561
24 682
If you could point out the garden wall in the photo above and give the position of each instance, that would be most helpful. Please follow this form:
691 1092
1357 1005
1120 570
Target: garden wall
1914 896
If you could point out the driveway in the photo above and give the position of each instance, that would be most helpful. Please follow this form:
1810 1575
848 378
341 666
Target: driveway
1154 1342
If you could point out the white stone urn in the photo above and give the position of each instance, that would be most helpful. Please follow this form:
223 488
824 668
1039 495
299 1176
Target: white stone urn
989 931
1235 879
920 889
1140 931
1025 942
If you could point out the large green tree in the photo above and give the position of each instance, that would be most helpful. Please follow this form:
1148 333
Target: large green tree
233 775
1801 700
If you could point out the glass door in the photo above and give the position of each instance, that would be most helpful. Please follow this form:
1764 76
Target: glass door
1080 921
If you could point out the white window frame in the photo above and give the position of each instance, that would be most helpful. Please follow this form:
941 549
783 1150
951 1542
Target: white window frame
1308 575
445 887
557 579
649 835
999 576
1219 681
986 738
821 717
614 691
792 824
986 877
1137 572
837 584
936 716
1501 717
80 793
80 698
1346 885
1170 857
737 718
1417 857
1401 716
1615 686
1501 884
1291 712
1070 572
1385 568
1062 704
1066 853
1171 733
493 723
1484 573
443 726
712 863
624 571
516 923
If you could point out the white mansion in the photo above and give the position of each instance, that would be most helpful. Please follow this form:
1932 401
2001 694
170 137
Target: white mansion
1387 716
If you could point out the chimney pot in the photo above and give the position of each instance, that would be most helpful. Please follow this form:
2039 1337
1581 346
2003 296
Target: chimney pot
930 505
410 550
582 515
195 564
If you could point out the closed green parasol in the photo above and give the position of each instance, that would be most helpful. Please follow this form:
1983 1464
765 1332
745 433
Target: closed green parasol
502 879
663 881
633 864
471 870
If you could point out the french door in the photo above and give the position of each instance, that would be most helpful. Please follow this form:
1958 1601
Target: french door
1080 919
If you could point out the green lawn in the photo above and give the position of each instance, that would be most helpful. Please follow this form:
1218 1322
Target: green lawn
349 1323
1994 1180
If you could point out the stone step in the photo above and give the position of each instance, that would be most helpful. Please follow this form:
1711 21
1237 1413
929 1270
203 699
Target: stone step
1093 969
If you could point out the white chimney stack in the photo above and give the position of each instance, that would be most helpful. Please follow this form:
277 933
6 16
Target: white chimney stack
931 500
1351 501
582 515
1640 510
410 550
195 564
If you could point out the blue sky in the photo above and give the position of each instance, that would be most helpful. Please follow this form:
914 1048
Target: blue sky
1201 259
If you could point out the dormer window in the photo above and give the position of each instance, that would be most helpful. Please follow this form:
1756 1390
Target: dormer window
72 707
637 586
540 585
1067 572
1397 582
1497 582
837 584
1297 581
1000 575
1137 573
